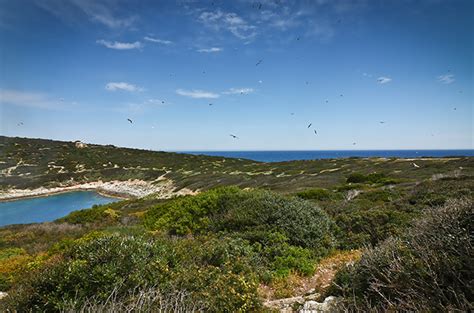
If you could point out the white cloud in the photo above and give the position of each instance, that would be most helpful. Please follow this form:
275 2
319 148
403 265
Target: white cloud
383 80
28 99
156 40
120 45
229 21
97 11
114 86
197 94
209 50
234 91
446 78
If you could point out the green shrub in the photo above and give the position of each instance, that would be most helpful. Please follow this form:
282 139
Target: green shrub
234 211
319 194
216 273
96 214
300 221
428 269
372 178
188 214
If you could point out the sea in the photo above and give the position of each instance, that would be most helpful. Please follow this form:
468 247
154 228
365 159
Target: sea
281 156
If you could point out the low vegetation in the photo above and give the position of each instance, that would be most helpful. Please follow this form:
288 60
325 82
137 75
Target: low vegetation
249 234
427 269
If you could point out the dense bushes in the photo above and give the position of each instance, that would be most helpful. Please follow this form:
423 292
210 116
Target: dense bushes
216 274
231 241
319 194
246 213
429 268
372 178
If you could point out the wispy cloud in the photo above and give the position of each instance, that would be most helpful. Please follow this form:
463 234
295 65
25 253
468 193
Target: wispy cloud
231 22
234 91
210 50
446 78
120 45
383 80
114 86
156 40
29 99
197 94
97 11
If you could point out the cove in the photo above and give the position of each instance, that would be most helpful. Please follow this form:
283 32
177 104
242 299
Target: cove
48 208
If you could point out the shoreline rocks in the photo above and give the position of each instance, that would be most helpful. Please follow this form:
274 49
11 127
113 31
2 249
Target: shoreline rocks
163 188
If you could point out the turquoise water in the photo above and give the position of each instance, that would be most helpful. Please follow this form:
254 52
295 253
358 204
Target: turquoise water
48 208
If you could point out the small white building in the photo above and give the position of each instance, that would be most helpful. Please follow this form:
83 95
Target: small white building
79 144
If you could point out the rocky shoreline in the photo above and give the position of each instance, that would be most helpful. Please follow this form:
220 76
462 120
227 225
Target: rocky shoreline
163 188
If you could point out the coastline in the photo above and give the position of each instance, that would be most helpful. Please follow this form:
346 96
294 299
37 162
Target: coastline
122 190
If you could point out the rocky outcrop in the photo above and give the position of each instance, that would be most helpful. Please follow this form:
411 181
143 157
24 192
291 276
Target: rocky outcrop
3 295
303 304
328 305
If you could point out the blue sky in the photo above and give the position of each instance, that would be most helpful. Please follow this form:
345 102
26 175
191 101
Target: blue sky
78 69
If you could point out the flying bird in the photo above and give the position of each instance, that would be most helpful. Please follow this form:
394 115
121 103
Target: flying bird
297 38
19 124
131 122
210 104
310 125
259 6
382 122
234 136
341 95
415 165
259 61
315 132
292 113
327 101
353 143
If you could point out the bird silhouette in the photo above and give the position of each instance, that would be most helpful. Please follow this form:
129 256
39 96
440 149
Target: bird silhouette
315 132
19 124
382 122
310 125
131 122
234 136
415 165
259 62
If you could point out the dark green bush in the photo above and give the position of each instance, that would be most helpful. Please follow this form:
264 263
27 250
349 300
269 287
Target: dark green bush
428 269
372 178
319 194
188 214
234 211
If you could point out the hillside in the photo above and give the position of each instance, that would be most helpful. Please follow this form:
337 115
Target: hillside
271 236
33 163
